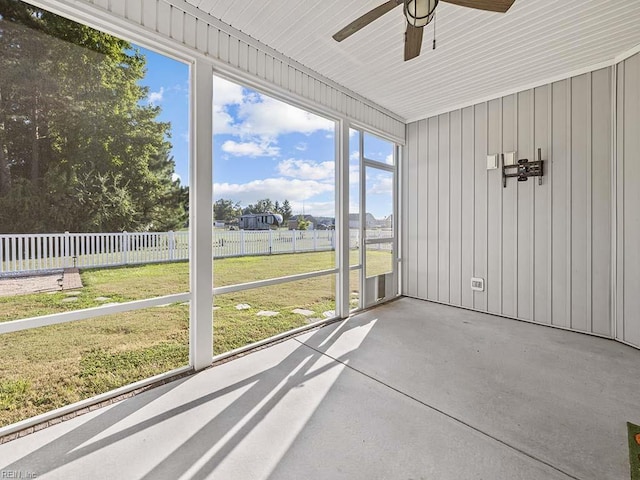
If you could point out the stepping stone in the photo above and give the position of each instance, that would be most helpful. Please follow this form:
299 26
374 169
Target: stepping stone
302 311
267 313
243 306
71 293
102 299
110 304
163 305
69 299
329 314
217 308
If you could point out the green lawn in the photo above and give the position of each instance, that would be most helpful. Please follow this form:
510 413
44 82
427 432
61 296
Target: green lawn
52 366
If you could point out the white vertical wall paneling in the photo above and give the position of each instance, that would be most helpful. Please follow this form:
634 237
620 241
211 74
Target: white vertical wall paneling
631 199
149 13
421 213
252 63
568 190
189 25
444 240
620 208
163 18
509 213
559 218
524 205
542 219
404 214
480 237
549 181
202 36
411 222
544 250
234 53
468 205
455 207
601 202
119 7
433 218
494 211
224 46
177 25
134 11
589 204
213 42
580 147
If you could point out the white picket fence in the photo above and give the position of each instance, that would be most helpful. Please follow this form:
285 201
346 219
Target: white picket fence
53 251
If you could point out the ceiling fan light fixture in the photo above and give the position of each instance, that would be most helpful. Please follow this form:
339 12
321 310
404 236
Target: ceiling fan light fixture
419 12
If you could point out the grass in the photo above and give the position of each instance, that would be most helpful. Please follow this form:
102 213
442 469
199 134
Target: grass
49 367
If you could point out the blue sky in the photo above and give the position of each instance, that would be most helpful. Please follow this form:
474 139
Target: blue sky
263 148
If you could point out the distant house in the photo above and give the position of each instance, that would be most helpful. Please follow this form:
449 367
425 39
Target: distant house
370 220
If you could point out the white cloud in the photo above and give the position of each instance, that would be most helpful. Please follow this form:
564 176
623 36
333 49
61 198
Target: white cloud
223 122
156 97
302 146
389 159
249 115
317 209
307 169
266 116
250 149
354 156
382 186
175 176
226 93
279 189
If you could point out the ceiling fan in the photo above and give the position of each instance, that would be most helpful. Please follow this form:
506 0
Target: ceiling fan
418 14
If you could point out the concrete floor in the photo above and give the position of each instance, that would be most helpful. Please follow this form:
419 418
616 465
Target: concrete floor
410 390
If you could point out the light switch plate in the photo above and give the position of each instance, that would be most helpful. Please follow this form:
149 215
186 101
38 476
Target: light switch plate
492 161
477 284
510 158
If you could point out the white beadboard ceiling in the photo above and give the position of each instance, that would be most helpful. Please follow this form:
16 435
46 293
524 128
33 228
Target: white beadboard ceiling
479 54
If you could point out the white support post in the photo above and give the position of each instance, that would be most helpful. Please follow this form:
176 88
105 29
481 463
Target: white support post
342 233
201 235
67 250
171 244
124 244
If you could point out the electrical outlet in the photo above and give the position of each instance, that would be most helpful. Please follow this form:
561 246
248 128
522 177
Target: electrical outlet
477 284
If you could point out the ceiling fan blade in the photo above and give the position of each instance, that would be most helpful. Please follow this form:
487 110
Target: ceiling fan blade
366 19
490 5
412 42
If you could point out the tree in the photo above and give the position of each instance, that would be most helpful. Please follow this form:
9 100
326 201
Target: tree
80 148
226 210
302 223
286 211
262 206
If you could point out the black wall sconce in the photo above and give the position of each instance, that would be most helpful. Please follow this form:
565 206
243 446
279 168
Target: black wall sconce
524 169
